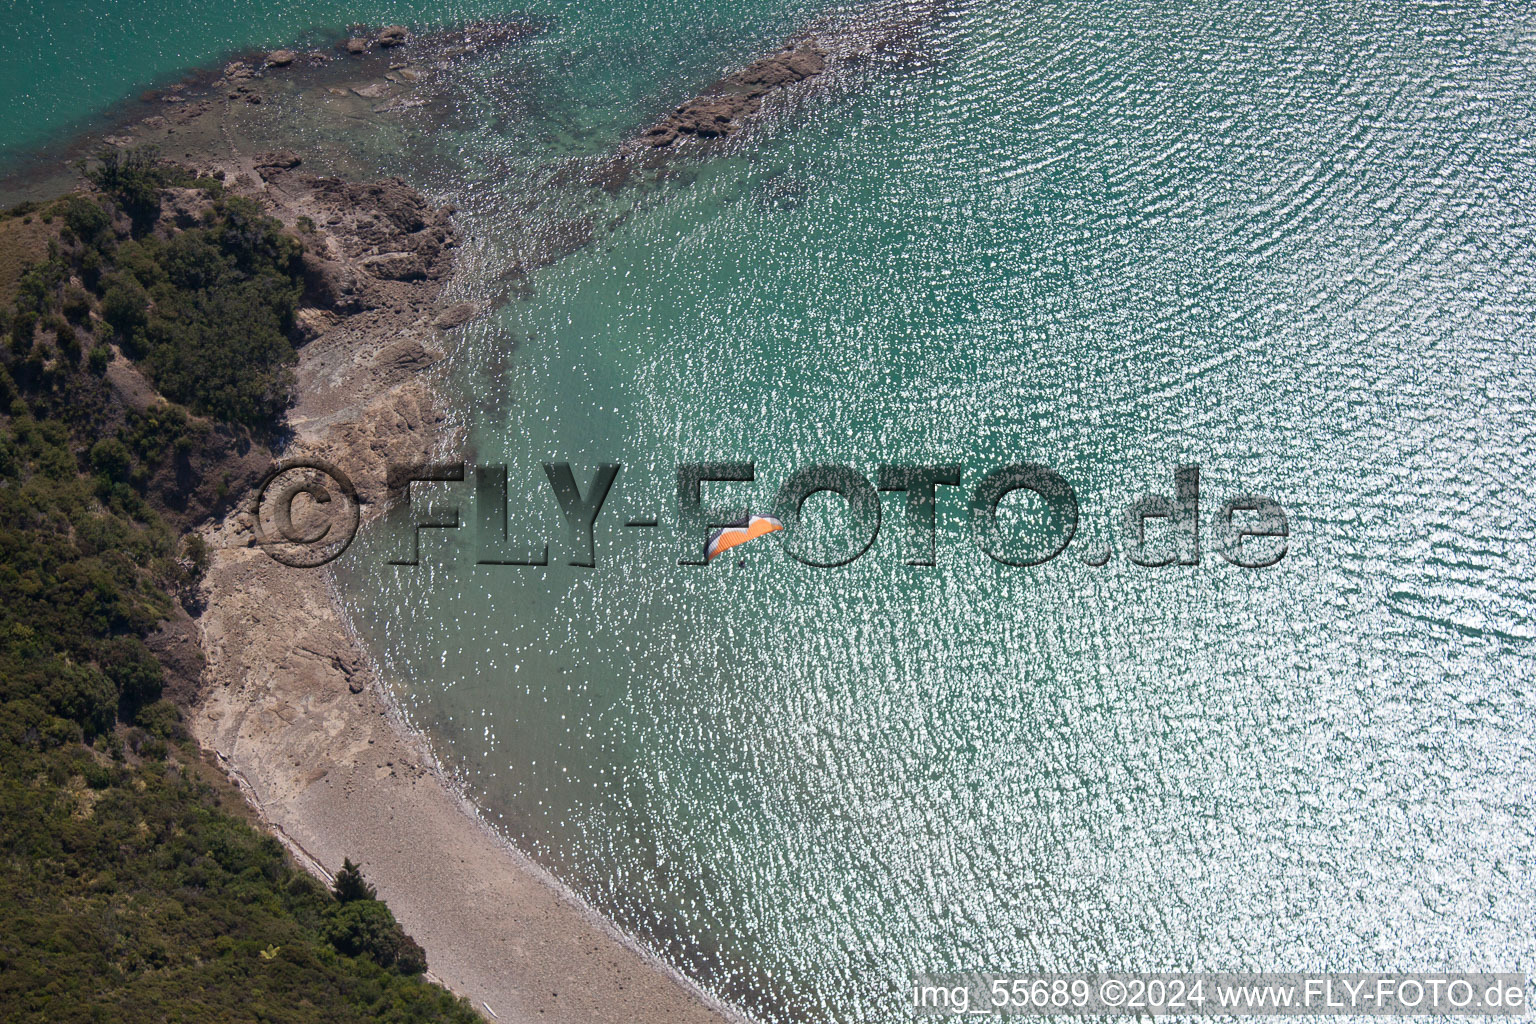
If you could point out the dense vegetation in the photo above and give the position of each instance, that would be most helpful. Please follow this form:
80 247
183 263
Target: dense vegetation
201 298
132 888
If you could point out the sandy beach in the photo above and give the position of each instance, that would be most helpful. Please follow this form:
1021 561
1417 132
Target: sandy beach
296 714
290 704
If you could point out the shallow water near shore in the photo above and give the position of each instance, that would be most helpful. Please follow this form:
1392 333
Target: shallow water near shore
1290 245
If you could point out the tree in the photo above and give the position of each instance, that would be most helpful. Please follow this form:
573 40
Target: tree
134 179
350 885
367 928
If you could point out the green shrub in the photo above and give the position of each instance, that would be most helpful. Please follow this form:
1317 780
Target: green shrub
81 695
124 306
161 719
350 886
135 673
23 327
76 305
367 928
64 335
90 268
134 179
111 458
84 218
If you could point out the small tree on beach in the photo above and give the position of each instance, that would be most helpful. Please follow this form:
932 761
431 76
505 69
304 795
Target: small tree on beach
350 884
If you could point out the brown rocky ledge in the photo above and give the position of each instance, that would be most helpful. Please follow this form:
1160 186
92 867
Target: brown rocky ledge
722 109
817 56
290 703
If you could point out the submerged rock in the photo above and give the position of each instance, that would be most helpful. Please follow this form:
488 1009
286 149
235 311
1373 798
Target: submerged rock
393 35
399 103
281 58
356 46
823 52
721 109
476 36
277 160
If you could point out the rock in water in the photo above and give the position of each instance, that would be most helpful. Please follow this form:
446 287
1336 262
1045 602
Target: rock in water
721 109
456 315
356 46
280 58
392 35
277 160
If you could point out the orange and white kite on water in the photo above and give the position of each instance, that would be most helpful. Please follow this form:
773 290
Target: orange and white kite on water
728 537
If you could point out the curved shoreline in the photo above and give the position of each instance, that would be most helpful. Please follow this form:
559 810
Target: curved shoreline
290 700
416 740
294 708
337 773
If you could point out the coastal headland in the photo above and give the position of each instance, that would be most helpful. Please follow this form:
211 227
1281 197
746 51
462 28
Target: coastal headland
275 684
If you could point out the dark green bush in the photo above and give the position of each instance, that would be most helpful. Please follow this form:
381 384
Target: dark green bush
84 218
124 306
76 305
64 335
111 458
162 719
134 179
90 268
135 673
350 886
23 327
367 928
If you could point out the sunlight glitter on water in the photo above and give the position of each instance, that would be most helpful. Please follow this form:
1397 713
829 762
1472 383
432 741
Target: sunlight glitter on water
1288 245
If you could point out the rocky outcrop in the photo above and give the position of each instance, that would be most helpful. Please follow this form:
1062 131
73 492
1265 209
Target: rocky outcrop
375 244
281 58
724 107
456 315
181 208
332 284
276 160
396 266
393 35
807 64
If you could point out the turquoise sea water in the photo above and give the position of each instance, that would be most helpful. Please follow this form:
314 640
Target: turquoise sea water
1290 243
